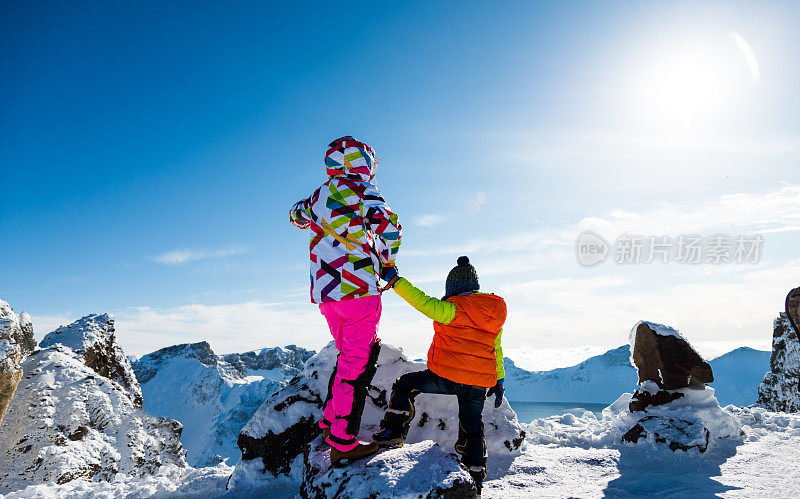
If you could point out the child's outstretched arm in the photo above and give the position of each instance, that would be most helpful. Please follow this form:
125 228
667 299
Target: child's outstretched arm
301 215
384 223
437 310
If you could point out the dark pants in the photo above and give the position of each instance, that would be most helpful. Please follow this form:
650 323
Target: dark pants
471 444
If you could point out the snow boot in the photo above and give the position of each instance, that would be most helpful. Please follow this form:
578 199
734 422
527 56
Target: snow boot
478 473
339 458
394 427
388 439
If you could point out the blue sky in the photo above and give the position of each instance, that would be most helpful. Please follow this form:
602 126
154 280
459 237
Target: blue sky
150 151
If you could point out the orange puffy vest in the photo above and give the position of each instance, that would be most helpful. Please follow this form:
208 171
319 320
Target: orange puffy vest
463 351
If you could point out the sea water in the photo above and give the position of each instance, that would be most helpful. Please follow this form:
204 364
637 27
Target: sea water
528 411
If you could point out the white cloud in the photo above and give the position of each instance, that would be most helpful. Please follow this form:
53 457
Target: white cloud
772 211
178 257
428 220
228 328
733 310
740 213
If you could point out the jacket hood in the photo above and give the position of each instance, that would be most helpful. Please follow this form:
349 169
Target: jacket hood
347 156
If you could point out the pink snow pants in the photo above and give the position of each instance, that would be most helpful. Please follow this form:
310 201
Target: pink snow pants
354 326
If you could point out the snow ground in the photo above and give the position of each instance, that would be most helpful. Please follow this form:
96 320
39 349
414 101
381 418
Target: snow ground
765 463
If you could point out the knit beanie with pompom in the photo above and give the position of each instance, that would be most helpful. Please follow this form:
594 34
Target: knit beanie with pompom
461 279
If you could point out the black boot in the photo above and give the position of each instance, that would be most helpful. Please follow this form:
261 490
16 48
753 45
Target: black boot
394 428
478 474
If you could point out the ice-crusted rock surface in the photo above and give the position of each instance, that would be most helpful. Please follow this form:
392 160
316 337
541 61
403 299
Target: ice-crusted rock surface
70 420
213 396
16 342
274 439
780 388
422 469
92 340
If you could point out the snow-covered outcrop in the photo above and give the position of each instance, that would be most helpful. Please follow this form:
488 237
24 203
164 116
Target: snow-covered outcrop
672 407
422 469
213 396
602 378
76 414
92 340
16 343
679 425
780 389
275 438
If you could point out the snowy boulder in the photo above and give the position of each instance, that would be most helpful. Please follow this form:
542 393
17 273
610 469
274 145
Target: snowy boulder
780 388
681 425
16 343
275 438
677 434
672 405
422 469
663 356
214 396
68 421
665 362
91 340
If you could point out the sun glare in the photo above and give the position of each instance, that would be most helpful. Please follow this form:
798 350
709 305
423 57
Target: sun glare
696 82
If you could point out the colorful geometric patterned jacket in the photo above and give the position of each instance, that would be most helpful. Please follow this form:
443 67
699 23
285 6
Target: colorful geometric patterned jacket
353 231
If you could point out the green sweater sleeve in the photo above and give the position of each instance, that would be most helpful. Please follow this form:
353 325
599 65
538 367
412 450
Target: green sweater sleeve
498 350
437 310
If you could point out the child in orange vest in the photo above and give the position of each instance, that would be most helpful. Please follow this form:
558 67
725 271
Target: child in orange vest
464 359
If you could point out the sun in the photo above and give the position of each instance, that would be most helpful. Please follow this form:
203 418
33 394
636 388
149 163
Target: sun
694 82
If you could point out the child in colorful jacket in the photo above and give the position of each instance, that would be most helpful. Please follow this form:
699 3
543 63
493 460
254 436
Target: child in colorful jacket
354 240
464 359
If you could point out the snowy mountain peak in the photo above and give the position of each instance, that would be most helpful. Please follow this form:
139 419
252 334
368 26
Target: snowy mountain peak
91 339
76 415
81 334
290 358
16 342
213 395
17 328
147 366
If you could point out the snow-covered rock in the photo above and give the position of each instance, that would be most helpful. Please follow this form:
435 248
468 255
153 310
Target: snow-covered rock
681 412
213 396
661 355
780 388
92 340
274 439
671 407
76 414
422 469
16 343
696 411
